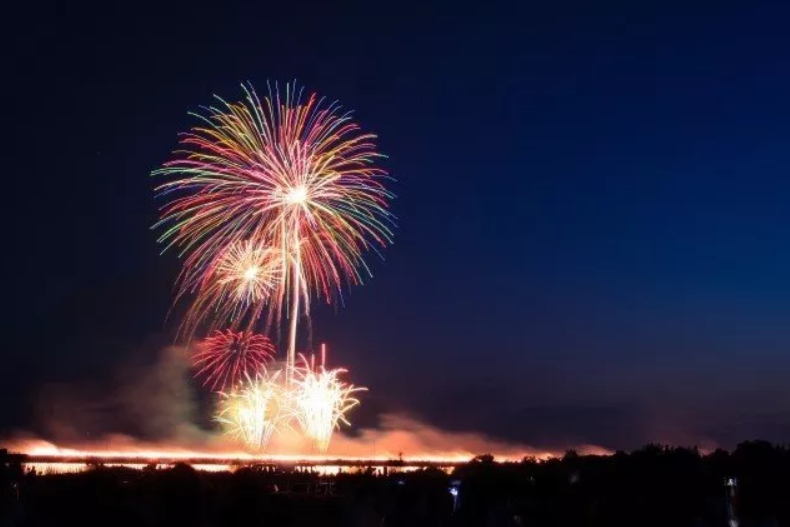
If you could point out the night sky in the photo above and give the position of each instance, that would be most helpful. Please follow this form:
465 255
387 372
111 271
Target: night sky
592 202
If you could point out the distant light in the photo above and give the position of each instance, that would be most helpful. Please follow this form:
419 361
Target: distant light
454 491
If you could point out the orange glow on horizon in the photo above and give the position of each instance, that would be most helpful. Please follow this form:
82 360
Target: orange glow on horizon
227 458
398 438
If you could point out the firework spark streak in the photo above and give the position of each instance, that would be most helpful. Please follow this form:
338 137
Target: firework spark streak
226 358
254 412
295 180
321 401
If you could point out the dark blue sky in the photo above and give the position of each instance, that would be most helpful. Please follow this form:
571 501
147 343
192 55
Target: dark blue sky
592 202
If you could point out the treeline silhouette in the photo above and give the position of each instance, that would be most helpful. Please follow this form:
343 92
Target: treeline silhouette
653 486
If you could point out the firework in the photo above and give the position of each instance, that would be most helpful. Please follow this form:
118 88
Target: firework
236 289
227 357
321 401
252 413
296 180
247 271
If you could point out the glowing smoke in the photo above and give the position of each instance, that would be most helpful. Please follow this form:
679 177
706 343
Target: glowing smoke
153 401
154 408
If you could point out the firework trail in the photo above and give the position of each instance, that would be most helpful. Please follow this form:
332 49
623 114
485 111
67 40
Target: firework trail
293 178
254 412
321 401
226 358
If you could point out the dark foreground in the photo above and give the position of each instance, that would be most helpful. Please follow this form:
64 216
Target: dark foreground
650 487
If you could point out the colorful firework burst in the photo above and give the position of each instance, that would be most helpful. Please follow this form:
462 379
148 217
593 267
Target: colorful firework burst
227 357
291 175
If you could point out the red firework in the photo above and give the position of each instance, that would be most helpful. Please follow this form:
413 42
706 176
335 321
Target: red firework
227 357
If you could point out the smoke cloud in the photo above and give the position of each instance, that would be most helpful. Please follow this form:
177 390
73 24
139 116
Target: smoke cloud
154 401
155 407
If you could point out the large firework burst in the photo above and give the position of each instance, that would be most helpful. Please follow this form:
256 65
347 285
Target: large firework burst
292 177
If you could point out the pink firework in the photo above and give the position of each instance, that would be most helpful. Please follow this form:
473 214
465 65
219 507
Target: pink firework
226 357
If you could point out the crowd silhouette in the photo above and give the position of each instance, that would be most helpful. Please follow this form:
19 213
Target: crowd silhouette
653 486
